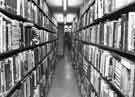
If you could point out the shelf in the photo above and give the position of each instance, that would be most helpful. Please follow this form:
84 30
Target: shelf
3 93
19 83
117 52
13 16
14 52
112 86
92 87
87 77
20 18
87 9
43 28
42 11
112 16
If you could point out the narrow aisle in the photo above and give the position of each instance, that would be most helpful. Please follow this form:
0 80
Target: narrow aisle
64 83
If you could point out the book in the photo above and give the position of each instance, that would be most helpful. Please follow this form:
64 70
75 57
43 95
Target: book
124 30
0 78
8 74
16 35
3 79
9 37
2 4
18 93
109 6
4 36
37 92
18 7
95 10
1 35
106 91
105 34
117 34
131 25
100 8
121 3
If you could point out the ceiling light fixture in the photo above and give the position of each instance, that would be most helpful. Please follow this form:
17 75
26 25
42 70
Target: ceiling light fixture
59 17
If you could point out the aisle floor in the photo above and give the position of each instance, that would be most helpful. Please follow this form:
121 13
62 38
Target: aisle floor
64 83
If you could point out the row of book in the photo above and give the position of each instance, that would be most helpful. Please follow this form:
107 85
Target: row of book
101 8
27 9
117 34
84 84
75 24
120 72
82 81
15 68
15 35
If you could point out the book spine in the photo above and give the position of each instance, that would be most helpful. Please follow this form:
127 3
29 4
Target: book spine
119 34
2 4
8 76
18 8
4 36
131 25
111 28
9 34
3 82
1 35
23 8
0 77
105 34
124 30
132 81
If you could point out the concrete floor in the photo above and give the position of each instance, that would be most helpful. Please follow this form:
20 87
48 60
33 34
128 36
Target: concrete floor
64 83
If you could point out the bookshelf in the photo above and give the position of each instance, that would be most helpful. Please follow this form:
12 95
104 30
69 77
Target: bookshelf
18 84
120 94
10 15
43 12
28 41
110 16
88 7
20 18
103 38
76 69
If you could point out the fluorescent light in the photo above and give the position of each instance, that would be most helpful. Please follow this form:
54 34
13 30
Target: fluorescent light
59 17
74 3
70 17
64 19
70 26
57 3
65 5
65 26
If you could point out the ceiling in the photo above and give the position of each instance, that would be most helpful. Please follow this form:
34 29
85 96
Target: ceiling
58 3
56 7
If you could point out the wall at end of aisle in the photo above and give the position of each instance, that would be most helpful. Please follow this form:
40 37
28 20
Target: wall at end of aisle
61 40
